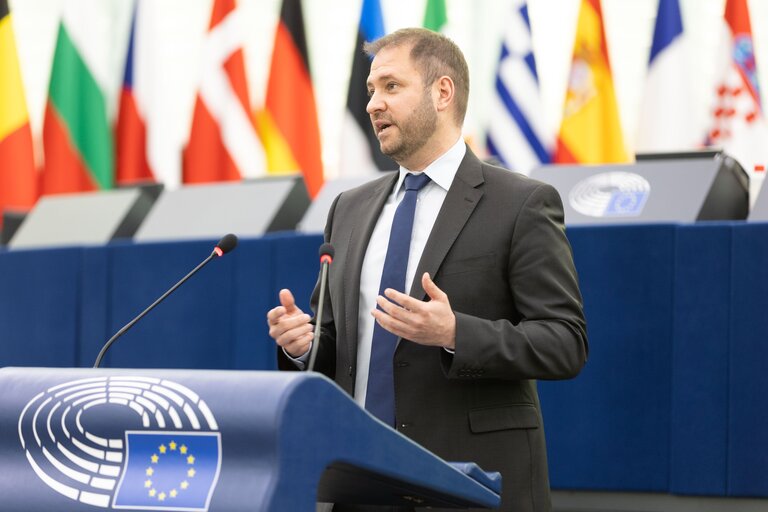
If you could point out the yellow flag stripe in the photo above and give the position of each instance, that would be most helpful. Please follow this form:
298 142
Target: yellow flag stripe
280 158
13 109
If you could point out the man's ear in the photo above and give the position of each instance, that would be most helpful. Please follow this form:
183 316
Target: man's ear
444 91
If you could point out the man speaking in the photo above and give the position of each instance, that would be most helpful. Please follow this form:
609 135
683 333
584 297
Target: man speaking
453 286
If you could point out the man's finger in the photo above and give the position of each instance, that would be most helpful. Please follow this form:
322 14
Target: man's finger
285 323
287 301
290 322
392 309
404 300
393 325
274 314
291 336
431 288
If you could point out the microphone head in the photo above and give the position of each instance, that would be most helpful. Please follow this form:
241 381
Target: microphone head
326 253
226 244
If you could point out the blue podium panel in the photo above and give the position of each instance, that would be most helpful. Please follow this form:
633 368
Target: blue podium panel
193 328
81 440
253 297
94 303
39 299
748 419
608 429
699 430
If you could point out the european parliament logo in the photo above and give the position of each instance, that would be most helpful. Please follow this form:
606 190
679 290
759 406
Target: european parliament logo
124 442
610 194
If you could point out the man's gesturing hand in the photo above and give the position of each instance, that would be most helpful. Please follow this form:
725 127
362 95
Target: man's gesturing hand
289 326
425 323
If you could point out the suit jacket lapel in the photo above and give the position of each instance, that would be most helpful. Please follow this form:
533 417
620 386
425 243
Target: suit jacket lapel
462 198
367 215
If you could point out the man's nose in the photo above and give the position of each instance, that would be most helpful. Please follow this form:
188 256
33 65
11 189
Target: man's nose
375 104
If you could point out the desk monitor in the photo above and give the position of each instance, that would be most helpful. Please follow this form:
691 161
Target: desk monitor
664 187
89 218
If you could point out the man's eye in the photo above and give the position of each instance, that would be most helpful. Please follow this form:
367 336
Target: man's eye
370 92
391 85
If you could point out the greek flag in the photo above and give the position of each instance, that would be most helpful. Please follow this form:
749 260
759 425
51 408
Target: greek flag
517 136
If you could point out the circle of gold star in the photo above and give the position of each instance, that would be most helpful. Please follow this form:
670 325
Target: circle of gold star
170 449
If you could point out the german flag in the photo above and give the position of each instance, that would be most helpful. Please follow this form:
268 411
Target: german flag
18 176
288 124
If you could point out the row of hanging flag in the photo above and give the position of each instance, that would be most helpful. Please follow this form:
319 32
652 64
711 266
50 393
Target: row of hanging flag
228 141
590 131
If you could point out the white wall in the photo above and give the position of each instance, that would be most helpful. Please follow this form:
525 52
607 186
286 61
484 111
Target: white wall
331 27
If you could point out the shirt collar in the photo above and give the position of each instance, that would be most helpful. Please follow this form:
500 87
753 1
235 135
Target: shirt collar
443 170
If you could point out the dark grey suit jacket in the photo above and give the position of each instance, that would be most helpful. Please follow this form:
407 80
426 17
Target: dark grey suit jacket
499 251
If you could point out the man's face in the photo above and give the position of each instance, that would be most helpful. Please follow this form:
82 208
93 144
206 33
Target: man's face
401 107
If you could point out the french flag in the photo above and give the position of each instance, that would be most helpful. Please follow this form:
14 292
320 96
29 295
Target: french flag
132 166
668 119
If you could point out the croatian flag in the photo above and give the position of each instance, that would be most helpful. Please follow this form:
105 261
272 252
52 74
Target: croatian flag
738 124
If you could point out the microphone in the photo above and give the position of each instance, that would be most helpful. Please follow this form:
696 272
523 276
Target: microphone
326 258
225 245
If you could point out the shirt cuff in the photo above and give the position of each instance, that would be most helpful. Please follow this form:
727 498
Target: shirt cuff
301 361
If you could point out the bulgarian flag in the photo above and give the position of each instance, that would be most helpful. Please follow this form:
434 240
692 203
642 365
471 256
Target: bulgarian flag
223 144
288 125
18 176
77 138
590 131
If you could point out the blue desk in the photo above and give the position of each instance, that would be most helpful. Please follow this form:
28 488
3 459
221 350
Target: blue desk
674 398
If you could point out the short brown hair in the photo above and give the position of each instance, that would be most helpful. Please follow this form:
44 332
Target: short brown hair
436 55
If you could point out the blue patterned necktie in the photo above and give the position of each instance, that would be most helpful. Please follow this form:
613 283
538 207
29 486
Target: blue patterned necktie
380 398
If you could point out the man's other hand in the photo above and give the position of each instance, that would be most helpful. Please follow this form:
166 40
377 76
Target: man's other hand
289 326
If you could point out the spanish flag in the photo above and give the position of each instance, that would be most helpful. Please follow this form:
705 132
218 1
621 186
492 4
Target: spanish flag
18 176
288 125
590 131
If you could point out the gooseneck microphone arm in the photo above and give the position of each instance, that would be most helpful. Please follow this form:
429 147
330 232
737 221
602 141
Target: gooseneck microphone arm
326 258
228 243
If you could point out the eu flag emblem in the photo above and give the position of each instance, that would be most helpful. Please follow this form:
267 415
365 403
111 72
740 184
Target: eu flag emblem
627 203
169 470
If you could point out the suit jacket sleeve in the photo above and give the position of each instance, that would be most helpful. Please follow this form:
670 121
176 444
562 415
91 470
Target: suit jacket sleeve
549 339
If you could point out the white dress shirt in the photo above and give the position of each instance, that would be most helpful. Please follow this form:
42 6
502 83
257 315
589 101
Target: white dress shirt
430 199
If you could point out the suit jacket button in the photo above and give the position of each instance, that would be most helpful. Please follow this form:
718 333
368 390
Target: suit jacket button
403 364
404 426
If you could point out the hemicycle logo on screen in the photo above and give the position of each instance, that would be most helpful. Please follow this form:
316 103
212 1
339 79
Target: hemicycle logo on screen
124 442
610 194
